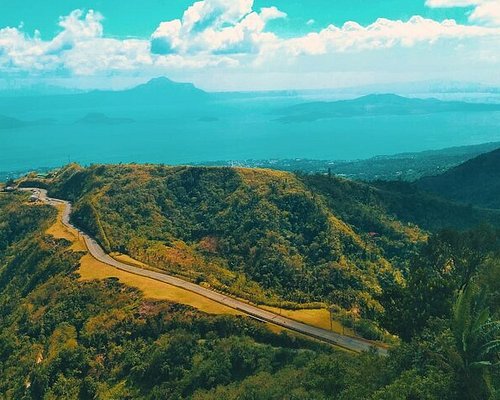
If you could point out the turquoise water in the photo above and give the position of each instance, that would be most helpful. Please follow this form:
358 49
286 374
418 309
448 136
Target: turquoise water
235 131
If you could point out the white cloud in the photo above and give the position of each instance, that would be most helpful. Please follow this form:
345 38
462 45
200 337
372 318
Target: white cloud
485 12
270 13
19 51
383 33
77 27
81 49
228 37
216 27
451 3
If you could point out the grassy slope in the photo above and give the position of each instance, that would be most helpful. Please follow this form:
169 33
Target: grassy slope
91 269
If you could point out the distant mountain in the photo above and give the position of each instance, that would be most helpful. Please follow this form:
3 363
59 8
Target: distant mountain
35 90
14 123
10 123
377 104
439 86
163 86
99 118
475 182
158 92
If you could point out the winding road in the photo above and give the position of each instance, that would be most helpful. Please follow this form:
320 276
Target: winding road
347 342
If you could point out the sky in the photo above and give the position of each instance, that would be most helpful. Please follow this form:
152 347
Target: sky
249 44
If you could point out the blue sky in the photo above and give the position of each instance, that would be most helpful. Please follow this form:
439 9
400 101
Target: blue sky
132 18
246 44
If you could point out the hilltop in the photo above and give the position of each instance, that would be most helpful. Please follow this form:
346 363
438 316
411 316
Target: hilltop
256 233
265 235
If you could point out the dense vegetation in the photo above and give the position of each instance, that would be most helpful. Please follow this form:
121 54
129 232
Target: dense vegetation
360 204
61 338
475 182
271 237
256 233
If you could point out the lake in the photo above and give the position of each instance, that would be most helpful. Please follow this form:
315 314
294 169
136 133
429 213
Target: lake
230 131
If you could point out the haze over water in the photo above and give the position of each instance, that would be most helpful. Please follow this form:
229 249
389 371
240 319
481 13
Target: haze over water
234 131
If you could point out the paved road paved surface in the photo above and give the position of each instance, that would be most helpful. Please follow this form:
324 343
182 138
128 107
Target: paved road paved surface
350 343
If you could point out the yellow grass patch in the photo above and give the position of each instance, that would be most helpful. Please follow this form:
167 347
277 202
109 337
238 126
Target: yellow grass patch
60 231
91 269
126 259
318 317
261 179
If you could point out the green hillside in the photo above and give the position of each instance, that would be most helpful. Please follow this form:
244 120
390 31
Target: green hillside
476 181
258 234
63 338
271 237
360 203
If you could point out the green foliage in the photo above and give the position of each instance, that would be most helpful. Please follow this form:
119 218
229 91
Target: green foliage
370 205
259 234
476 181
445 265
61 338
277 238
477 339
19 219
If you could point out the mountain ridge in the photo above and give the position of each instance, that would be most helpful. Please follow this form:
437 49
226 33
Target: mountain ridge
476 181
158 92
375 105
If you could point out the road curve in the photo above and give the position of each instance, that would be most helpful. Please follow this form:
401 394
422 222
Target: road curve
347 342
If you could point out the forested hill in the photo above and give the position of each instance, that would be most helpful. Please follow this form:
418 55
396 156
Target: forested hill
259 234
264 235
66 338
476 181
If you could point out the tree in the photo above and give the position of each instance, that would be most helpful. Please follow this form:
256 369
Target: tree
477 339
